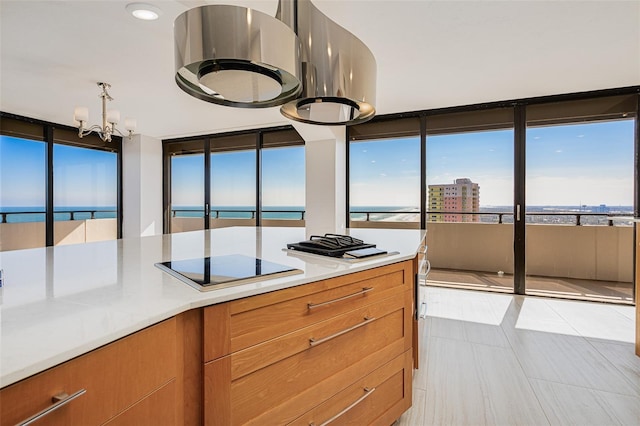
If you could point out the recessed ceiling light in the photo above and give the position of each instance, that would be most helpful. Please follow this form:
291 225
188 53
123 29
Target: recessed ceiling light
144 11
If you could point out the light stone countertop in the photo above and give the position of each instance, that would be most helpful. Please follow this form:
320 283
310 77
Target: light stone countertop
60 302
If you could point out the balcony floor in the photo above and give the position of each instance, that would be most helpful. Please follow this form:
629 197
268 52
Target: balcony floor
568 288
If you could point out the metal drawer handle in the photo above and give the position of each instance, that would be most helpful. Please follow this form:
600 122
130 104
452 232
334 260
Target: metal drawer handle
367 391
58 401
348 296
313 342
422 277
423 310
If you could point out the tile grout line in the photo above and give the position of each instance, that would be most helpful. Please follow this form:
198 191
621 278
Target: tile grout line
515 354
590 343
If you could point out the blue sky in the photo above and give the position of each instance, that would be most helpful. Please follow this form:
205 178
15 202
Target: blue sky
566 165
233 178
22 162
83 177
385 173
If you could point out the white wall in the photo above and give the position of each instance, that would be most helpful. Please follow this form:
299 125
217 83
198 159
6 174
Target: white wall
325 180
142 186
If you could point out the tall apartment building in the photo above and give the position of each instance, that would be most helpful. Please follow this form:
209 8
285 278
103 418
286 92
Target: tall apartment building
461 196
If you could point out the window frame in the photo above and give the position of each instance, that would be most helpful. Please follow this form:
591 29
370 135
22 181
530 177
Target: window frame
49 133
257 139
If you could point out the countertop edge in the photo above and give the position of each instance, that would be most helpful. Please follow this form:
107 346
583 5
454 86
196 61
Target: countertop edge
197 302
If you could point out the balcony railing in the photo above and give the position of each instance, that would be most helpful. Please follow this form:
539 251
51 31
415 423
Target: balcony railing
6 217
498 217
240 214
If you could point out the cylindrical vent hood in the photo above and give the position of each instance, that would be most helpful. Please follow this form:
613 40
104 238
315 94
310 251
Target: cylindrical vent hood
338 69
237 57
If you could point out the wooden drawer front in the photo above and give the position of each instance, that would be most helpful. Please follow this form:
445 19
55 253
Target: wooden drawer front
107 374
380 397
312 303
305 376
156 409
249 360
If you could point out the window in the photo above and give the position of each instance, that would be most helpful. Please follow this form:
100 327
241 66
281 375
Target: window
233 185
580 199
85 194
213 181
283 178
283 183
187 189
384 174
83 177
22 193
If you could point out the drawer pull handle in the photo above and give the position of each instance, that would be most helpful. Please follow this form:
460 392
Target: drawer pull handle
348 296
313 342
58 401
368 392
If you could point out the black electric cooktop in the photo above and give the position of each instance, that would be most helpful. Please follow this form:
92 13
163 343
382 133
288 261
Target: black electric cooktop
212 273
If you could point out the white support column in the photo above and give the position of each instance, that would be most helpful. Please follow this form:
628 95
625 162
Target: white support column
325 162
141 186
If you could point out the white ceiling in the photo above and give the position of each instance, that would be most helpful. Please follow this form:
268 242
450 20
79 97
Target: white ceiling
430 54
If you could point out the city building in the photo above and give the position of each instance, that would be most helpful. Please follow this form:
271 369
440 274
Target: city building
452 199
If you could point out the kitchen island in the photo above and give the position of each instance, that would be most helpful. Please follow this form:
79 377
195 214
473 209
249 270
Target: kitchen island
59 303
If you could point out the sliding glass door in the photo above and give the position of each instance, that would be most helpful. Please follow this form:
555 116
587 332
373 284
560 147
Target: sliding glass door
469 209
580 196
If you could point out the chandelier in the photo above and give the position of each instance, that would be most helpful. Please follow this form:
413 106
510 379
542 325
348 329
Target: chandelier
109 119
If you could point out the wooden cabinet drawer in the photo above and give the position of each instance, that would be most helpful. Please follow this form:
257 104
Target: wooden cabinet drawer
115 377
256 319
380 397
154 410
275 382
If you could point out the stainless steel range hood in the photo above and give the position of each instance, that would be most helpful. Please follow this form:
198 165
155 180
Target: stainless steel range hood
338 69
318 71
237 57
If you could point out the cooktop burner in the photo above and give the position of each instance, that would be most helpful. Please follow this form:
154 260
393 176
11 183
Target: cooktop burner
336 245
212 273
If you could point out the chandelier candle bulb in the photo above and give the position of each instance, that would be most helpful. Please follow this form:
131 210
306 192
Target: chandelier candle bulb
81 114
130 124
113 116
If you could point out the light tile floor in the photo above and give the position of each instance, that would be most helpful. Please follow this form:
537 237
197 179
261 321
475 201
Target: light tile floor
503 359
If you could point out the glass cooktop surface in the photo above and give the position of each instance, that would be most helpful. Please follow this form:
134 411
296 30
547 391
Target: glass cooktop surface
210 273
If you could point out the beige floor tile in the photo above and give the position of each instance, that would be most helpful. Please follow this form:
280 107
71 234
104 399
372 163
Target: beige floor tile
572 405
566 359
623 357
447 328
507 392
534 313
625 408
485 334
416 414
597 320
454 393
